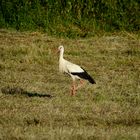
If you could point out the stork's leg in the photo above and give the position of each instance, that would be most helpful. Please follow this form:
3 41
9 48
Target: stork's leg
73 89
81 84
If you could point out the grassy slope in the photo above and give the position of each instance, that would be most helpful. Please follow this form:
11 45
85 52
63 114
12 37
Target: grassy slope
108 110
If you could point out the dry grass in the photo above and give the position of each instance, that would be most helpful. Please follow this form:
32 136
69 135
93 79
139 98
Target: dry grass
29 68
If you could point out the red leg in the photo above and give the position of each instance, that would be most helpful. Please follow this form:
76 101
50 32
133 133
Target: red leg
81 84
73 89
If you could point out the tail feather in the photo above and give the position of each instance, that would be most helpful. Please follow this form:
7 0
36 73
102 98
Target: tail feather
91 80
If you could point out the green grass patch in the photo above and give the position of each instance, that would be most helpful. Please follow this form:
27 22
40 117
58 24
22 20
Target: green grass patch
71 19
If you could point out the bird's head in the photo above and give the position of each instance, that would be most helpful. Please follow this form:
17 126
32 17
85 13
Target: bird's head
60 48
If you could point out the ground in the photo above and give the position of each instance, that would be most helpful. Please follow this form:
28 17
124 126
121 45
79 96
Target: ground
35 100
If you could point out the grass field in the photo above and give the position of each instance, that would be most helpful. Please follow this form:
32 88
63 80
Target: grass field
35 101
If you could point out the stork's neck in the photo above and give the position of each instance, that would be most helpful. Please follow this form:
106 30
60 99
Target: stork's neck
61 55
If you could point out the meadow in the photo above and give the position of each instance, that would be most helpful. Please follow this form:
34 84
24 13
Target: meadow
35 100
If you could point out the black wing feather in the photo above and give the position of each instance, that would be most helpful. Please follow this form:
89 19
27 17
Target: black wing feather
84 75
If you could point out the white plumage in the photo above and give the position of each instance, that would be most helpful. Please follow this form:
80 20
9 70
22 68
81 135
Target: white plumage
75 71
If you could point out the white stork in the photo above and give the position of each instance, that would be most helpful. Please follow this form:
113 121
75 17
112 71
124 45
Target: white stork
75 71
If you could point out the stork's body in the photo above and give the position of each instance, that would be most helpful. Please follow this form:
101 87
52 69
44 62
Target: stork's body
75 71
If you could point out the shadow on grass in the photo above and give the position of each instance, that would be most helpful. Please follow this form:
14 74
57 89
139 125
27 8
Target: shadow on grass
20 91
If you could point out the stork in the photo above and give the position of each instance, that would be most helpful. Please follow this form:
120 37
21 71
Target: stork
75 71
